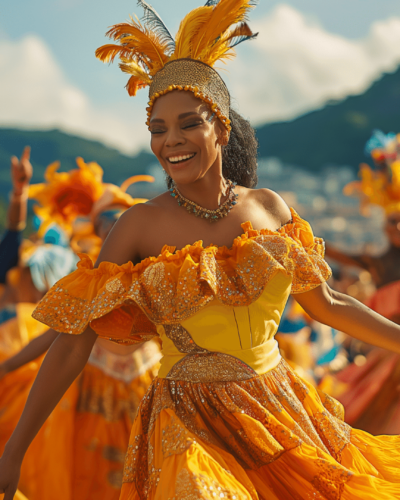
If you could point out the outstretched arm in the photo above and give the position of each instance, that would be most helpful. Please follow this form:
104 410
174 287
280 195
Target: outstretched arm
348 315
21 174
65 360
33 350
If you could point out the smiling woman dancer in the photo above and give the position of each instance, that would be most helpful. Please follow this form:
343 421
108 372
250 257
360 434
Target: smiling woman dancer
226 417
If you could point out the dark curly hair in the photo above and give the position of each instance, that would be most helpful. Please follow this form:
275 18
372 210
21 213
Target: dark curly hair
239 157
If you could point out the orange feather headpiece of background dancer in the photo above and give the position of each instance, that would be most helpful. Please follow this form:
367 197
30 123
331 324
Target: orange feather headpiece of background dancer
380 186
153 58
81 192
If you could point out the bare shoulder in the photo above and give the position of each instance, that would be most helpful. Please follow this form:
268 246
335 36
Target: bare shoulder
272 203
142 215
124 242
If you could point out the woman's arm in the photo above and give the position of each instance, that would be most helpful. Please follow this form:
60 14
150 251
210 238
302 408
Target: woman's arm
21 174
65 360
346 314
33 350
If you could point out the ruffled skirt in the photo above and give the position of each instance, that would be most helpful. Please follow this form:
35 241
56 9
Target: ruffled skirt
79 452
269 437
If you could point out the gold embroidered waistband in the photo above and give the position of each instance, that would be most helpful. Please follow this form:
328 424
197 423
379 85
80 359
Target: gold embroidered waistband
258 360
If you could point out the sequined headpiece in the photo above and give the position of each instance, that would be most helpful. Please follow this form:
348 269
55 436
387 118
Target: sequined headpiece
152 57
379 186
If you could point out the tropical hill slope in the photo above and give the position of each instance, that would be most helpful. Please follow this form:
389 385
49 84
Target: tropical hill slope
49 146
336 134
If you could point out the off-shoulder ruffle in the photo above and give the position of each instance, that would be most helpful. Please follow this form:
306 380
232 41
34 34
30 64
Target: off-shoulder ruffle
124 303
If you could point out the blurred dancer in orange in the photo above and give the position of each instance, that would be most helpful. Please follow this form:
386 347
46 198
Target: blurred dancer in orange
372 401
79 453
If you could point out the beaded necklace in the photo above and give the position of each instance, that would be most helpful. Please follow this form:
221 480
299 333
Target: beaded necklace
211 215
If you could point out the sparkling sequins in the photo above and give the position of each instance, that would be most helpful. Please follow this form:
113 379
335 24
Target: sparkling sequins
256 421
124 303
193 76
182 339
211 367
175 439
190 486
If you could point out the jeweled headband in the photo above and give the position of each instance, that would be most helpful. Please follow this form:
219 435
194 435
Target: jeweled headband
152 57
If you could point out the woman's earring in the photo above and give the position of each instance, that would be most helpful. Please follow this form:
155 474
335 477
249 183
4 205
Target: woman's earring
223 139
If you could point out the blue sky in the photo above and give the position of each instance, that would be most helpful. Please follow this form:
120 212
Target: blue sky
47 45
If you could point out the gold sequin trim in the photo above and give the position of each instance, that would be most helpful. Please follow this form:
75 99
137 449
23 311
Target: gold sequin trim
196 77
182 339
190 486
210 367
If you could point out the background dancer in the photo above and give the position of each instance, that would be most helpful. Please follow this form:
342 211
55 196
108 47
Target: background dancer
79 452
372 400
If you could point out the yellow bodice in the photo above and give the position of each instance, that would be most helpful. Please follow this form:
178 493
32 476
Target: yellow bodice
245 332
198 300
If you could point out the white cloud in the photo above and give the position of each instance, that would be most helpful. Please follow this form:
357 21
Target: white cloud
295 65
36 94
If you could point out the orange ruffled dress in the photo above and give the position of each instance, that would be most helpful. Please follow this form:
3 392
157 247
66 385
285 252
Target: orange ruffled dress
79 452
226 417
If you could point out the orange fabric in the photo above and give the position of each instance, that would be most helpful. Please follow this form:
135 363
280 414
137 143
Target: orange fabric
271 437
79 452
386 300
18 331
213 426
18 496
371 395
122 297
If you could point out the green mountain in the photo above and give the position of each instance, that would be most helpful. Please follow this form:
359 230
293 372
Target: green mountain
49 146
336 134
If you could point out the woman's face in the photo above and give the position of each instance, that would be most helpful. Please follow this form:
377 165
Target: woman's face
183 138
392 228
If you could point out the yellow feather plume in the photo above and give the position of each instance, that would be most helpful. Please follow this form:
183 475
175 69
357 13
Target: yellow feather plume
138 44
107 53
222 49
225 14
139 79
190 27
205 34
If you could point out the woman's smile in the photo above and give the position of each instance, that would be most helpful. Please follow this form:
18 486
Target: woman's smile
177 159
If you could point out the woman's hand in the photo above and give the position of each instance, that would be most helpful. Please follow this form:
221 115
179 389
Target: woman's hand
9 476
348 315
21 172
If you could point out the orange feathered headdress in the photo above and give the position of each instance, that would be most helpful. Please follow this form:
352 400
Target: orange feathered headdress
152 57
380 186
81 192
